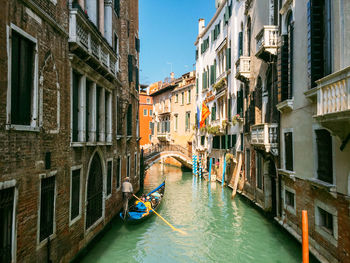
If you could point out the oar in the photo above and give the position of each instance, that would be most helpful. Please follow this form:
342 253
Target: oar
172 227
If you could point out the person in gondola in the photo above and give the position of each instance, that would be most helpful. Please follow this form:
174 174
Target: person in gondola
148 205
127 190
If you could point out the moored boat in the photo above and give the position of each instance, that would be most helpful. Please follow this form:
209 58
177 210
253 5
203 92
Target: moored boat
138 211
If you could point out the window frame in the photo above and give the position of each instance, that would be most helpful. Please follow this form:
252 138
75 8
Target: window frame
284 131
42 243
145 110
330 237
286 206
77 218
35 122
109 160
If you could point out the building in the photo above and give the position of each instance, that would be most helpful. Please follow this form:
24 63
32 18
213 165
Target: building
289 87
161 94
183 111
217 88
68 122
146 117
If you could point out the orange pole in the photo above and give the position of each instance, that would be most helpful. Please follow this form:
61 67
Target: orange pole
305 237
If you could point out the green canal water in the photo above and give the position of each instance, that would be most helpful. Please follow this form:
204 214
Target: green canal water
218 229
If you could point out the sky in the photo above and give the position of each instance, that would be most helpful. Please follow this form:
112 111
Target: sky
167 31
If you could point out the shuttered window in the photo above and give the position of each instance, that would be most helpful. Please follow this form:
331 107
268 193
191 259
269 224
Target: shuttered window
202 140
259 172
98 112
240 102
226 15
315 17
117 7
109 178
213 113
137 44
188 119
130 67
240 44
128 167
284 66
223 141
324 156
129 121
212 72
22 72
288 150
75 194
247 165
47 199
75 106
117 172
204 80
216 142
229 114
228 58
6 213
290 59
137 79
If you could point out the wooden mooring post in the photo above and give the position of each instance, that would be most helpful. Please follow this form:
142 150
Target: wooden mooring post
305 238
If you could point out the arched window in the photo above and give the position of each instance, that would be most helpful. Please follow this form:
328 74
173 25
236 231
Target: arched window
290 31
94 191
249 35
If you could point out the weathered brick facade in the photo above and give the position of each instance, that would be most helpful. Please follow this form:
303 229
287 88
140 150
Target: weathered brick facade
46 147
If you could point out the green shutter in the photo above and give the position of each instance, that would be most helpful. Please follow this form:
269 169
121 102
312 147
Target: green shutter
212 80
203 81
212 35
197 86
228 58
214 71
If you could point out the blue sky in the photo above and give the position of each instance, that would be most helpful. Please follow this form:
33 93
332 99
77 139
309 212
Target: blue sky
168 30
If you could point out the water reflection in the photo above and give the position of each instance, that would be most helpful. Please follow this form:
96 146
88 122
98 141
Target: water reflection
219 229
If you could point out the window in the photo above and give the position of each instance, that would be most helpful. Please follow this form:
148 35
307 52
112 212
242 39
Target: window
150 125
130 68
150 113
128 167
182 98
240 44
117 7
204 80
176 122
135 164
288 151
47 206
325 220
129 120
216 142
150 137
189 96
324 156
223 142
202 140
76 112
22 100
116 43
177 98
249 35
188 121
145 112
213 112
289 198
108 116
259 171
247 164
75 194
118 173
6 224
148 100
137 44
119 119
109 178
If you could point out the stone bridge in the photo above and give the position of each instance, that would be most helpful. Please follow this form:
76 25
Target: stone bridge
159 151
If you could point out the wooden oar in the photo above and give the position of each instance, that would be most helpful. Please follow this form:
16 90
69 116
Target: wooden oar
172 227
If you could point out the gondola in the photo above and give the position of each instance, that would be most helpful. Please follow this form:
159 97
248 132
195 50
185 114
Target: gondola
136 215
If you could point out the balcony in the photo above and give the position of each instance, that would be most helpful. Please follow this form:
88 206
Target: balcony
164 110
243 68
87 43
333 102
164 137
265 136
266 43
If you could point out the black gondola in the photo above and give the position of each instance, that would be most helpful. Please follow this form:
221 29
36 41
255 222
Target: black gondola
136 214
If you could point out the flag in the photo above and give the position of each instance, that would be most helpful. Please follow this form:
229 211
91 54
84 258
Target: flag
205 114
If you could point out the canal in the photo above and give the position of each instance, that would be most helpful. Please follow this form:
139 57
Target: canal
218 229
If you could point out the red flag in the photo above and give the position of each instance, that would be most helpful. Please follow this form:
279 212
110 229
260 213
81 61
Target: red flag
205 114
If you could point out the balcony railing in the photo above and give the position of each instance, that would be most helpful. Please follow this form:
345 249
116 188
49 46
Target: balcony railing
333 102
85 37
243 68
266 42
164 136
265 135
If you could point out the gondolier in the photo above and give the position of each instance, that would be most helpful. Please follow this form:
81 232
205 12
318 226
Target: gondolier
127 193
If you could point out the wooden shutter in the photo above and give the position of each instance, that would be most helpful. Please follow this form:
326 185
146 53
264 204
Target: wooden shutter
75 113
137 80
212 79
228 58
129 120
109 178
117 7
315 18
290 60
284 67
130 67
212 35
324 154
47 207
229 115
240 44
288 149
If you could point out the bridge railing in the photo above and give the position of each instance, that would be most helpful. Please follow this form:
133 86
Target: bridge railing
155 149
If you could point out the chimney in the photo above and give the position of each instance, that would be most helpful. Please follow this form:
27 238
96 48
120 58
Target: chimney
172 75
201 25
